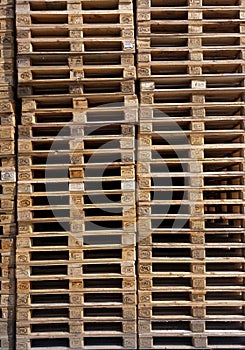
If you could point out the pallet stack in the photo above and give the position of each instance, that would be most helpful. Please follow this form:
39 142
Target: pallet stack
7 180
76 285
191 174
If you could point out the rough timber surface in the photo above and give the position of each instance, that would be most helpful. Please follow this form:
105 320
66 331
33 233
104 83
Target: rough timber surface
81 263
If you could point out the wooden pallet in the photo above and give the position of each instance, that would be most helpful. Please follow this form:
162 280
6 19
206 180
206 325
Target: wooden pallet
77 313
210 112
73 88
72 255
184 311
176 155
183 65
148 13
196 333
77 327
89 12
72 131
191 98
118 157
86 5
196 284
77 174
51 75
78 68
116 240
192 45
97 103
62 61
88 284
159 123
65 23
202 87
192 327
78 197
191 264
174 342
57 104
70 45
142 4
78 144
108 299
66 342
190 50
224 176
7 177
189 239
198 222
92 109
75 227
100 217
174 27
38 181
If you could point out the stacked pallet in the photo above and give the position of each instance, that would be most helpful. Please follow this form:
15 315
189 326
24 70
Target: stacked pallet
191 174
76 285
7 180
